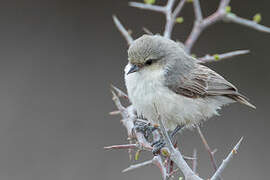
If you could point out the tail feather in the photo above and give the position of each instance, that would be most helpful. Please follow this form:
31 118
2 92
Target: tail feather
243 100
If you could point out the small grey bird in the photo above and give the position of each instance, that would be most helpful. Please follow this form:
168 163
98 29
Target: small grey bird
161 76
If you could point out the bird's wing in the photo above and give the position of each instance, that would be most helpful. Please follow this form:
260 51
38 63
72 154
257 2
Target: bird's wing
202 81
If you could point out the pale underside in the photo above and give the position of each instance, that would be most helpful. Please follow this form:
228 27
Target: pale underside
148 93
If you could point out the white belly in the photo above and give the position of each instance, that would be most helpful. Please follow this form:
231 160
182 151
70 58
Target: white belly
148 92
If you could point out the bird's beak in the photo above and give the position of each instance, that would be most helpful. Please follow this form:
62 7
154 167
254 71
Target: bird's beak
134 68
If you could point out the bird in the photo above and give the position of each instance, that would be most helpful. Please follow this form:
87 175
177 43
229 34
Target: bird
162 79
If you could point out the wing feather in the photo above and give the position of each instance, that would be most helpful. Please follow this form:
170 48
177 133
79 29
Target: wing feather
202 82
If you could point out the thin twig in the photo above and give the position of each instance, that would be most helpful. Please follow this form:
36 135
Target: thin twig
124 146
200 24
224 3
212 158
178 8
122 30
115 112
118 104
226 161
189 158
194 161
147 7
147 31
218 57
136 166
167 10
157 161
171 17
128 121
197 10
119 92
230 17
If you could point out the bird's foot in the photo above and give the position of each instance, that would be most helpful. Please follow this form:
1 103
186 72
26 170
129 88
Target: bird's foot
157 146
145 127
175 132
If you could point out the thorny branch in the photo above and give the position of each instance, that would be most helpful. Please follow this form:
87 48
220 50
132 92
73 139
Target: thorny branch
227 160
128 113
176 156
128 120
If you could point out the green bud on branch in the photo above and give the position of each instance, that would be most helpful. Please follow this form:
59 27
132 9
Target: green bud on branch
228 9
137 155
257 18
149 1
216 56
179 20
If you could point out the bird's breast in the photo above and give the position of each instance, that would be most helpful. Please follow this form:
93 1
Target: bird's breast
148 95
144 89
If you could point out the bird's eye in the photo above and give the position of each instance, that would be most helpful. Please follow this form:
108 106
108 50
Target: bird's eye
149 62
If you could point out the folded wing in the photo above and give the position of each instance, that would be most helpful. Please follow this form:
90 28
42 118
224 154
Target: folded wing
202 81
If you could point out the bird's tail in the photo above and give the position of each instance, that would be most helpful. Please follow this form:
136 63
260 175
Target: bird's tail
243 100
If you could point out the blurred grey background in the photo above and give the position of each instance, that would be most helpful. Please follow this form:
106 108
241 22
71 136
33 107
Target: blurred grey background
57 61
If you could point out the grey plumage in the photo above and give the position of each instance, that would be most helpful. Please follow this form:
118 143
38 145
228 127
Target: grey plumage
162 68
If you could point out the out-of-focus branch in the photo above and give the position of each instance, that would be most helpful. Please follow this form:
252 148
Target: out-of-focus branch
210 58
147 7
197 10
230 17
170 14
122 30
226 161
200 24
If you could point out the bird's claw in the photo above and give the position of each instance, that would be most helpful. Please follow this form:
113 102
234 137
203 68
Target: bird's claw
157 146
145 128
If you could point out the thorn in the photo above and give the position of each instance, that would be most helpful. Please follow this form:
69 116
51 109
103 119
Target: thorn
234 151
115 112
214 151
129 31
147 31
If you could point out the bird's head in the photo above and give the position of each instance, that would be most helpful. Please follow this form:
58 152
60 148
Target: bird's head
151 52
